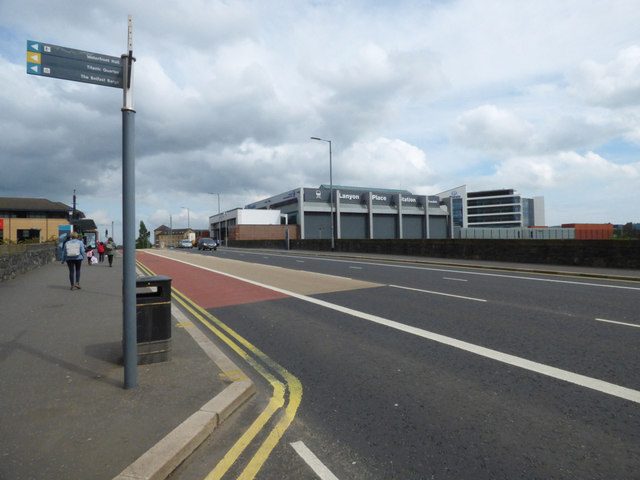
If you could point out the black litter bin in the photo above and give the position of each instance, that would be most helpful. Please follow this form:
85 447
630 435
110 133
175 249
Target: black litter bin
153 315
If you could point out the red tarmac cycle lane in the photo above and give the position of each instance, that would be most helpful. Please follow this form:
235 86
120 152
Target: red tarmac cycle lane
207 289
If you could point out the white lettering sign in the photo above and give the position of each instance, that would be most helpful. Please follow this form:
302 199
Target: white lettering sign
349 196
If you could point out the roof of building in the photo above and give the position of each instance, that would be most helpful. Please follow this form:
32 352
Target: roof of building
32 205
365 189
84 224
174 231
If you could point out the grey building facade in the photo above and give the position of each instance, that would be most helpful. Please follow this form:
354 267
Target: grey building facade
360 213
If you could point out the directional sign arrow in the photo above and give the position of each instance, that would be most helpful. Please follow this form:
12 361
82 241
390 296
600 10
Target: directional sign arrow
33 57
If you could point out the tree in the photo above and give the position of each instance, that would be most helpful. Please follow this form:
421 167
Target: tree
143 237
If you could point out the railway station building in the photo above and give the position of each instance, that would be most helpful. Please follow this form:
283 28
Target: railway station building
358 213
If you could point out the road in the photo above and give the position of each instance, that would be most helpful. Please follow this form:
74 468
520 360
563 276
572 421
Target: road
388 370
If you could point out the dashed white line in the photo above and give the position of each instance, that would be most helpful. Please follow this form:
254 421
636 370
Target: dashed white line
314 462
468 272
439 293
456 279
618 323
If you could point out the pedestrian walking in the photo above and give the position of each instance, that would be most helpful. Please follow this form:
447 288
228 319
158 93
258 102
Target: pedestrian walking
110 250
73 252
89 254
101 252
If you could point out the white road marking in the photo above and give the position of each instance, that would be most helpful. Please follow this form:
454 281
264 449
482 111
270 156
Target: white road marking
465 272
439 293
553 372
314 462
456 279
356 268
618 323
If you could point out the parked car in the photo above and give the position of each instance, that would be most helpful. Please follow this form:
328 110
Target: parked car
207 244
185 243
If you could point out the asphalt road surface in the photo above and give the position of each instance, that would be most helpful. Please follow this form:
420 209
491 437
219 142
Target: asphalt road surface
387 370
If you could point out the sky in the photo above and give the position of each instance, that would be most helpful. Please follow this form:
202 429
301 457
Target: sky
539 96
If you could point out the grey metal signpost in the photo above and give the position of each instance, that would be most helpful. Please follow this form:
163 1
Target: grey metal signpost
49 60
129 221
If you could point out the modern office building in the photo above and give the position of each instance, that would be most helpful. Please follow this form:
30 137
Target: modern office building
357 213
502 208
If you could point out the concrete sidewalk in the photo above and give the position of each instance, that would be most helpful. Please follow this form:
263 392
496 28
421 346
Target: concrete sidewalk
63 410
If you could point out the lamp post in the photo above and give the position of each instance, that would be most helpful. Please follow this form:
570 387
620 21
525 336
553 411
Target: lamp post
188 215
211 193
333 242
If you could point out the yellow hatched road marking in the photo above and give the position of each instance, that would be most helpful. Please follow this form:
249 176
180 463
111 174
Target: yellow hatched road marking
276 401
295 397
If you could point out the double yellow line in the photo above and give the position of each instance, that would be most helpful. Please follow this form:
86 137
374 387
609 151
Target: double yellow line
287 389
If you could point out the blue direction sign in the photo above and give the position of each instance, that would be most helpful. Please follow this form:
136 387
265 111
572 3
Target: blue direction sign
71 64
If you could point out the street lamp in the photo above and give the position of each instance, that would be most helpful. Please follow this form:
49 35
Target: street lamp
211 193
170 231
330 188
188 215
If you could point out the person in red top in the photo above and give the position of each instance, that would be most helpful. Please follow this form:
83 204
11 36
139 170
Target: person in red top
101 252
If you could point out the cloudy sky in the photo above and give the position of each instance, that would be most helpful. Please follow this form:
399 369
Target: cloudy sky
541 96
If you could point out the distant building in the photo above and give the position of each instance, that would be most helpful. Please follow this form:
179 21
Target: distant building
251 224
38 219
165 237
591 231
502 208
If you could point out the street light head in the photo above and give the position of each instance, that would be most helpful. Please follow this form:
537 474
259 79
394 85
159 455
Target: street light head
315 138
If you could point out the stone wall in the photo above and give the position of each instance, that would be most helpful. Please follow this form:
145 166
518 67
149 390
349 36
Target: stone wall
17 259
588 253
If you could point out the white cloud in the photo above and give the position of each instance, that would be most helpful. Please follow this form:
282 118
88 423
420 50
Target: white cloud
495 130
384 163
568 170
614 84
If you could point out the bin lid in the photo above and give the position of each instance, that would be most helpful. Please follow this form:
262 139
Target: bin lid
151 279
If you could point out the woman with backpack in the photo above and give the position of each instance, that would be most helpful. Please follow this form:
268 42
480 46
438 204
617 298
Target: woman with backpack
73 253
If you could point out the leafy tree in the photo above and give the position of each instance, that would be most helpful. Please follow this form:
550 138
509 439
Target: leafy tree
143 237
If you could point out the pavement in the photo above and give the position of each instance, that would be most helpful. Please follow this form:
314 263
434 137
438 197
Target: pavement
64 412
